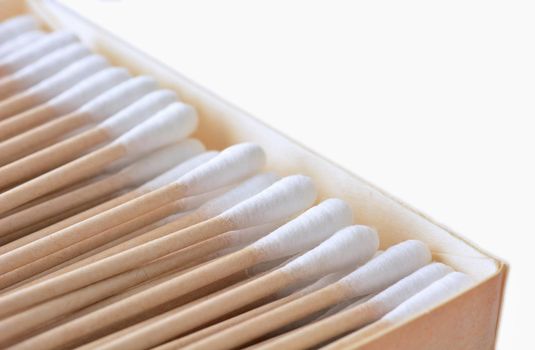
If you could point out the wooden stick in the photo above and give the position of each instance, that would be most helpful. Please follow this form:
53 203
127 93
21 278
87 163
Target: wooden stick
249 157
200 213
64 103
43 68
172 124
220 326
69 149
52 87
439 291
162 180
365 280
88 244
352 245
14 326
96 110
211 272
139 172
364 313
28 230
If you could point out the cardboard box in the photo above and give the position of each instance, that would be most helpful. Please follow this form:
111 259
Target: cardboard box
468 321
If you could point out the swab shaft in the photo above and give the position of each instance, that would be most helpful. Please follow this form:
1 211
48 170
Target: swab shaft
108 267
17 104
62 203
36 316
273 320
69 221
220 326
58 178
323 330
26 120
22 144
153 216
111 315
82 247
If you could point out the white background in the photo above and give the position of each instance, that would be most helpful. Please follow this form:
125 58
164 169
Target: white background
433 101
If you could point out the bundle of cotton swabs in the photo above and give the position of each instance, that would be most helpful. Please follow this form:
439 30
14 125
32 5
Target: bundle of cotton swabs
118 230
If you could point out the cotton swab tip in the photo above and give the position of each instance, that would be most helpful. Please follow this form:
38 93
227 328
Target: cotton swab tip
282 199
349 246
306 231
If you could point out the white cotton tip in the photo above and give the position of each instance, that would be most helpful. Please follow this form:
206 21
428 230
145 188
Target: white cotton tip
20 41
395 263
50 64
162 160
241 192
353 245
408 286
306 231
15 26
38 49
438 292
172 124
179 170
137 112
66 78
232 165
285 198
118 97
88 89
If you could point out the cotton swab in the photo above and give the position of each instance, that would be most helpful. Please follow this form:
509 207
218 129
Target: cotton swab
156 183
173 123
300 234
28 320
16 26
296 192
362 314
230 166
41 69
53 86
69 149
20 58
394 264
355 244
438 292
100 108
206 211
137 173
297 290
217 327
64 103
19 41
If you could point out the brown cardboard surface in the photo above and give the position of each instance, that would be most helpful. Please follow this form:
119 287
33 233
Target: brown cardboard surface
468 321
